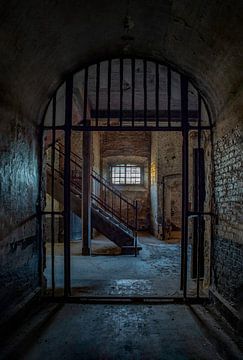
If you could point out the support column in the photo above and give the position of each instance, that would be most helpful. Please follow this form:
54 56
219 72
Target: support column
86 194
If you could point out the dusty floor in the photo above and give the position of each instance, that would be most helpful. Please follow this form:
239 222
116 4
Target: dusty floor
155 272
105 332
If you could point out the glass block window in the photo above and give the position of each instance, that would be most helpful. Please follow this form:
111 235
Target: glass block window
126 174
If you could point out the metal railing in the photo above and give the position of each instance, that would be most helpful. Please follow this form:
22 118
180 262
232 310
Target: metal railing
103 195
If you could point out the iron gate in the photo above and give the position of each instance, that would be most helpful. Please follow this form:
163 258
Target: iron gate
129 95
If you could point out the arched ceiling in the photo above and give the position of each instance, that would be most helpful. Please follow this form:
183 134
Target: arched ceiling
40 42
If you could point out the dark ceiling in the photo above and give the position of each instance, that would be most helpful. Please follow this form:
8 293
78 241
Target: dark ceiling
41 42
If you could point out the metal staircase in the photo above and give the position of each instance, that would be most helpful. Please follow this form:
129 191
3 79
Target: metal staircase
113 214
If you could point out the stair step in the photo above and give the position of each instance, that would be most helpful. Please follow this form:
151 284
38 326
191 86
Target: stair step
130 250
113 220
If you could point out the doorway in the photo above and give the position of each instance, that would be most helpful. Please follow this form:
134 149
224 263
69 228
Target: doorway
114 98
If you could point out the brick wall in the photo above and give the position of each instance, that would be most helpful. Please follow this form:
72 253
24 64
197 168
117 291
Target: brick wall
228 269
134 148
228 242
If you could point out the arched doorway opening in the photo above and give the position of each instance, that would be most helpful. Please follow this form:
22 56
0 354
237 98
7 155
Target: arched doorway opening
118 96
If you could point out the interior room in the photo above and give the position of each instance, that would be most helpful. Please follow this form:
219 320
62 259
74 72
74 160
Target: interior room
121 172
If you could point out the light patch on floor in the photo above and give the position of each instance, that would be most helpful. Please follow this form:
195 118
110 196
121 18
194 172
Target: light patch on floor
154 272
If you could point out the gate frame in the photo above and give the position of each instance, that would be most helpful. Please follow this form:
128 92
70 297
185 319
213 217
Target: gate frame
68 127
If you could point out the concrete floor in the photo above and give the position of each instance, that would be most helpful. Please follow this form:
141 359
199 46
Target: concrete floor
105 332
155 272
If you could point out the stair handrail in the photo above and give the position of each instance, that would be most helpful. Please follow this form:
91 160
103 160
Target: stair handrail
132 224
97 176
61 176
76 190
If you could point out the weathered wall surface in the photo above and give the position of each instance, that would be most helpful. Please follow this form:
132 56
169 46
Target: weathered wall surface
18 199
166 167
228 241
154 184
132 148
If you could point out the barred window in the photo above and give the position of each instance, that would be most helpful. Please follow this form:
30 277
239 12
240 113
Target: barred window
126 174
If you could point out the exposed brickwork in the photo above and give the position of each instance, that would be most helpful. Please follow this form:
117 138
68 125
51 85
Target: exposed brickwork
228 244
228 269
136 143
134 148
229 186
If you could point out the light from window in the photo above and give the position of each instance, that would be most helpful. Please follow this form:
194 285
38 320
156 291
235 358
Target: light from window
126 174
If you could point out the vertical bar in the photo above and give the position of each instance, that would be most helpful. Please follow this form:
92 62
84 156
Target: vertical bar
109 94
120 209
127 213
86 194
199 182
157 93
97 94
136 227
68 124
163 206
39 211
52 194
145 91
169 95
121 91
195 209
213 202
86 73
105 194
112 203
185 177
133 91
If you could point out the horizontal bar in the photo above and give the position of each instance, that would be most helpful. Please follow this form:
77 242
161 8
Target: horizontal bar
135 128
126 300
139 114
52 212
197 213
127 128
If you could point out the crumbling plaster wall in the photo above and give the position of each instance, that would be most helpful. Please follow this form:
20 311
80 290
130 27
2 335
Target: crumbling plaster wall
165 161
19 245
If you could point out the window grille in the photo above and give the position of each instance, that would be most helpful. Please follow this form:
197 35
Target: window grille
126 174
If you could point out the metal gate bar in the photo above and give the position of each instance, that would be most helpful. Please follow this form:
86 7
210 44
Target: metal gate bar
199 191
67 187
169 96
157 93
97 94
86 73
128 128
121 91
185 175
109 94
52 194
145 91
133 90
127 300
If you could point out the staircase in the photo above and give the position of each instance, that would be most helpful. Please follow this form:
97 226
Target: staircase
112 214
